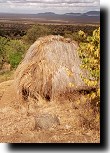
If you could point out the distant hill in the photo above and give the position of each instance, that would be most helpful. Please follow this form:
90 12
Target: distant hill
73 14
88 17
92 13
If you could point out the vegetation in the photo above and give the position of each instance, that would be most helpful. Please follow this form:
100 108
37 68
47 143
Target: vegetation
3 42
15 50
89 52
35 32
18 29
11 51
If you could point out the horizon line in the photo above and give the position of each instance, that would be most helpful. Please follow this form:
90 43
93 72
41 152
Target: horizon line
48 12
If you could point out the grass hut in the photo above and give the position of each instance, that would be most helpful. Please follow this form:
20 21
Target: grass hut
51 67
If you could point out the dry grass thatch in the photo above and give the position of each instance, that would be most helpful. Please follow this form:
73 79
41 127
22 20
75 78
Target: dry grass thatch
49 68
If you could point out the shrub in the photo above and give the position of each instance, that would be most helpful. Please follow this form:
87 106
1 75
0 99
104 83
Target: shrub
15 50
3 42
89 53
35 32
77 36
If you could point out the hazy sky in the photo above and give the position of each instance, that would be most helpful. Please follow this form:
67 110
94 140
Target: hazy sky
56 6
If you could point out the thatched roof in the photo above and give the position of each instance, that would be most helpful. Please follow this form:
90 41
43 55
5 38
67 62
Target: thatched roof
51 66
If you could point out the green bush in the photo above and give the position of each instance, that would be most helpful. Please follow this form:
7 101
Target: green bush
15 50
3 42
14 59
77 36
35 32
11 51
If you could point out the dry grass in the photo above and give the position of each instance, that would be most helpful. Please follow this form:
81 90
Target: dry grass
7 76
18 121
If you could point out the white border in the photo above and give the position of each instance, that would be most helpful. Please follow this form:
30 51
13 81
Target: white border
106 5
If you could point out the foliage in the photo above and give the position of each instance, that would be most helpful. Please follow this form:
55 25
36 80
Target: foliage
15 50
11 51
35 32
79 38
15 30
3 42
89 53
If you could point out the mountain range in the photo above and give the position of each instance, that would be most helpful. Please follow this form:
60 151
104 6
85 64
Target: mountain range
88 17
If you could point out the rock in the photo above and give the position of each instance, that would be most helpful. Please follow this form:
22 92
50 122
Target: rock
46 121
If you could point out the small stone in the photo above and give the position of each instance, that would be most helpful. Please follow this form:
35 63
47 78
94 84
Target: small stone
46 121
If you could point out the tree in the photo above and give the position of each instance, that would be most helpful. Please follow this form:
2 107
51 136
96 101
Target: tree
35 32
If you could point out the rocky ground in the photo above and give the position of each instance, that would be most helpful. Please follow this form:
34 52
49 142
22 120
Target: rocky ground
42 121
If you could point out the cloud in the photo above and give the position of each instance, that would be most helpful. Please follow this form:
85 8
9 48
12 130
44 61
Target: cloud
49 1
57 6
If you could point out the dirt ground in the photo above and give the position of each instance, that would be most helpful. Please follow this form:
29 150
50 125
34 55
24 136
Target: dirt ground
57 121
